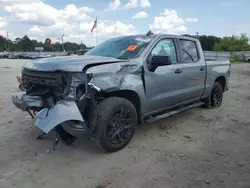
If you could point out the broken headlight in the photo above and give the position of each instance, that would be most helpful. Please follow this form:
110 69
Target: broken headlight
77 85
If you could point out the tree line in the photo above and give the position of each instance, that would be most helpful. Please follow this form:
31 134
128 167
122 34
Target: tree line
25 44
230 43
208 43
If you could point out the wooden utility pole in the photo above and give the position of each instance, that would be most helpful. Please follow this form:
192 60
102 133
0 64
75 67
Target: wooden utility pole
7 42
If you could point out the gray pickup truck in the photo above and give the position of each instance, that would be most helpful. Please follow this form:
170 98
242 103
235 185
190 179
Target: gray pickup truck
118 84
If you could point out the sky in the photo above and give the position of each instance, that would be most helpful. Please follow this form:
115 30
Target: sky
41 19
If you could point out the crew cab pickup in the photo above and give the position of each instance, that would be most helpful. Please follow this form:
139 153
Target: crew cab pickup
116 85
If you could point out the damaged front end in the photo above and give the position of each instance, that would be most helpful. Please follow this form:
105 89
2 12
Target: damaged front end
62 99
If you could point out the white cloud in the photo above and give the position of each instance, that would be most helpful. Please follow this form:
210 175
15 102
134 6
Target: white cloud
116 29
145 3
36 29
76 32
3 33
140 15
191 20
170 22
41 21
34 13
114 5
131 4
39 13
136 3
3 22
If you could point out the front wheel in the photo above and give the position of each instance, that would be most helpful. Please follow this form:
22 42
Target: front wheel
214 100
117 119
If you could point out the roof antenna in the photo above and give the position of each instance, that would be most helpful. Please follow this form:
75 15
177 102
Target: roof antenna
149 33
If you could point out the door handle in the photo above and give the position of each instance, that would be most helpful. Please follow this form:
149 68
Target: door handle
202 69
178 71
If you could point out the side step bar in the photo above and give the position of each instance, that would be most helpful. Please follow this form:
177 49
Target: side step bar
170 113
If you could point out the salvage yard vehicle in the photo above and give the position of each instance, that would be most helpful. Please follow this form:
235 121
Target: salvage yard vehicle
118 84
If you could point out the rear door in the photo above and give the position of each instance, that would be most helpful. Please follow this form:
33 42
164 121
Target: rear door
193 68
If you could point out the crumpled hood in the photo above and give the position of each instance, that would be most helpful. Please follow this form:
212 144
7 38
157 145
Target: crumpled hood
68 63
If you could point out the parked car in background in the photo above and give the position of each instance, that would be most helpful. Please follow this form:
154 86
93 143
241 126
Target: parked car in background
119 83
82 51
24 55
4 55
14 56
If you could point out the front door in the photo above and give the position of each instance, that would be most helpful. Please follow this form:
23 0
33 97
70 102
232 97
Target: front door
165 85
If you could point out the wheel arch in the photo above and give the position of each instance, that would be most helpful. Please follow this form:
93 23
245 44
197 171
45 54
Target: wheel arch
130 95
222 81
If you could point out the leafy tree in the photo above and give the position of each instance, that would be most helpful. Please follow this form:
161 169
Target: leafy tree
207 42
47 45
233 43
35 43
57 46
17 40
26 44
68 46
2 43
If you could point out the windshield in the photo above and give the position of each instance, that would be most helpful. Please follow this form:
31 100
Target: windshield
121 48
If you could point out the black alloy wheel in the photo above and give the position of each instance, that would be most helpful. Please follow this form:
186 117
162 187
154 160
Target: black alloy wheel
216 95
117 120
120 128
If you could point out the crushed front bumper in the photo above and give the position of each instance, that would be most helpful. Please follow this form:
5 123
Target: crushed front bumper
27 102
63 112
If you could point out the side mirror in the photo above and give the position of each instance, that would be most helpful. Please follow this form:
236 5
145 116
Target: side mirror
159 60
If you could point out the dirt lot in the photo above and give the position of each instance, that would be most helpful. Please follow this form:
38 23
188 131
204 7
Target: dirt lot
197 148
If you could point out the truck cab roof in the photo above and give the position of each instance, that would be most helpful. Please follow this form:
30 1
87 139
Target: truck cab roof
153 36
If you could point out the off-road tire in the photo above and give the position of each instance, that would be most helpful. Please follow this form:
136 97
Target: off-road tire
210 101
105 111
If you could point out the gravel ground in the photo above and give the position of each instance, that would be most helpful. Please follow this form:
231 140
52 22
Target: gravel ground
197 148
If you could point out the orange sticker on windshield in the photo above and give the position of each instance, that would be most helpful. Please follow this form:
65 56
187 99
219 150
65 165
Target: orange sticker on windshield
131 47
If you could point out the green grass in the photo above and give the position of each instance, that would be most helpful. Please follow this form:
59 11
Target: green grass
237 62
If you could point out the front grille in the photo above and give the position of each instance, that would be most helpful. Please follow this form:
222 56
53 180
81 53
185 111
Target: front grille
53 79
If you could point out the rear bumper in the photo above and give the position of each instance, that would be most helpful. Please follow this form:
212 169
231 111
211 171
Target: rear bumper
65 113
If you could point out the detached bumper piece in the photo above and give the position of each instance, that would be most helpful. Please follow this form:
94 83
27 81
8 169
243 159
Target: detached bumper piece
63 111
64 117
27 102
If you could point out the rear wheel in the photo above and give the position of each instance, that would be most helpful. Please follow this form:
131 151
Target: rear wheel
215 98
117 119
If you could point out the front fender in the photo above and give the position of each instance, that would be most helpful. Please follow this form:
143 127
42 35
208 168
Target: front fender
116 76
